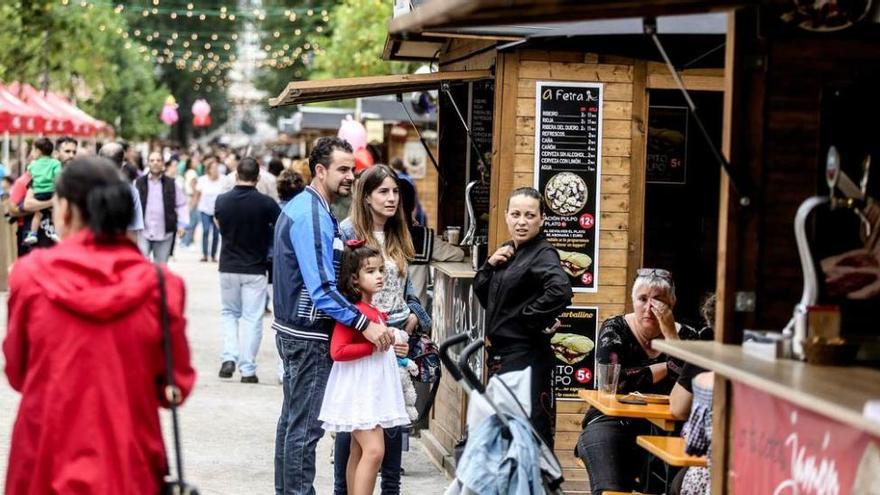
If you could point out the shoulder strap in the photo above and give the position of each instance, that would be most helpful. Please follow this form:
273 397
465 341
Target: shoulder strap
172 393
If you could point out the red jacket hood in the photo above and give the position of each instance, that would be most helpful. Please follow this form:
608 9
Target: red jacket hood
101 281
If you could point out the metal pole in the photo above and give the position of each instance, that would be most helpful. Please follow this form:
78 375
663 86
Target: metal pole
736 178
6 150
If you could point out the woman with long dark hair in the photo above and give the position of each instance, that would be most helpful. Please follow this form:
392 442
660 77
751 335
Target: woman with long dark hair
84 347
378 219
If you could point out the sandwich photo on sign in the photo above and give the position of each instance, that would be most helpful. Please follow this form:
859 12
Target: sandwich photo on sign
574 349
571 348
573 263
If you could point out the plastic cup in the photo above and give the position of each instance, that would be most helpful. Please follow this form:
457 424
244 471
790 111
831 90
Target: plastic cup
607 376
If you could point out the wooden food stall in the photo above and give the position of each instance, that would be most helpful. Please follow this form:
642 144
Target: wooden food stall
600 81
797 81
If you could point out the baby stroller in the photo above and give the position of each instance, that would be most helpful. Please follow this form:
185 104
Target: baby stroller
503 454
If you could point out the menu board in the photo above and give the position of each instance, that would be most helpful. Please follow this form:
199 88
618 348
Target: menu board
568 157
574 345
480 112
667 145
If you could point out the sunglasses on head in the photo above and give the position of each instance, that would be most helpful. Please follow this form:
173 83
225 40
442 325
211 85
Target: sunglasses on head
655 272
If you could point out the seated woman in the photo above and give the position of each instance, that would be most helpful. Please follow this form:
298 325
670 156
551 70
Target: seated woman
697 433
608 444
682 394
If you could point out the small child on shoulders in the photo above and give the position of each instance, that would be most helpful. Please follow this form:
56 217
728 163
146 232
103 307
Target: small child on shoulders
43 171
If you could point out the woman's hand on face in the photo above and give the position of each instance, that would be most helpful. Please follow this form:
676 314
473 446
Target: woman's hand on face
402 350
663 313
411 323
501 256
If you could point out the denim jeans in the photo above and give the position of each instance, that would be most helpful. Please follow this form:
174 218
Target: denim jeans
613 459
391 463
160 250
190 231
306 369
208 227
243 299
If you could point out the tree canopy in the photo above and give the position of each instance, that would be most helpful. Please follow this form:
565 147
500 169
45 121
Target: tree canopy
78 52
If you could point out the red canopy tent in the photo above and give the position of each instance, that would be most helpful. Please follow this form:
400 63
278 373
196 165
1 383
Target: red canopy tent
26 110
85 124
17 117
57 122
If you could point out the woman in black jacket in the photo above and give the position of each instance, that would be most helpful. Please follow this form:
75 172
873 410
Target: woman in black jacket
523 288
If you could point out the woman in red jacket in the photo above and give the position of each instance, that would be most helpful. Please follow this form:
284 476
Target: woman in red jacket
84 347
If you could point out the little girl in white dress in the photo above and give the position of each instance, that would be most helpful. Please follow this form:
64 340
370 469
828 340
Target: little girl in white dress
363 393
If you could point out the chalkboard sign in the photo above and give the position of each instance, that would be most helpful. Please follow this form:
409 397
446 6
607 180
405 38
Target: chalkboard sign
667 145
574 345
568 157
480 113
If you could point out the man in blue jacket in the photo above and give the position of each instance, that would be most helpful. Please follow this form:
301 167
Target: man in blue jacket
307 304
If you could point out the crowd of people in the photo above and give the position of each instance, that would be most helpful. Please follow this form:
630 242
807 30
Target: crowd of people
348 298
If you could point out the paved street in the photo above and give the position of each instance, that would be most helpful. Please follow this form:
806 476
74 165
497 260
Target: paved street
229 427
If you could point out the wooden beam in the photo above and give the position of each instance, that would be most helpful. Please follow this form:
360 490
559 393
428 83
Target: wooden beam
692 83
639 133
298 92
503 143
468 36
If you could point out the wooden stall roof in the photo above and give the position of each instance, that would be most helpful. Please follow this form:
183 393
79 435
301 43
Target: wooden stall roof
298 92
440 14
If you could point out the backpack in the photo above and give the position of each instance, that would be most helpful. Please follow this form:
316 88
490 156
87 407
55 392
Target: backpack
424 352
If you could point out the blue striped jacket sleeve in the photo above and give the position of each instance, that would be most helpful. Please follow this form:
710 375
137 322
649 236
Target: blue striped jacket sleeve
312 241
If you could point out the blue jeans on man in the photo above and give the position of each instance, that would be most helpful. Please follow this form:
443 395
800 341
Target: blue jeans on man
243 298
307 366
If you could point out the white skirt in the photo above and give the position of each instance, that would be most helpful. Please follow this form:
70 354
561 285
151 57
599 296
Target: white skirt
363 394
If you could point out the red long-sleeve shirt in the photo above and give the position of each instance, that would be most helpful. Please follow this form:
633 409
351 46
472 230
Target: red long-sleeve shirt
347 344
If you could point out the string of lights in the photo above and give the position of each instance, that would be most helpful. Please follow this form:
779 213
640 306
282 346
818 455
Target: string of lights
209 47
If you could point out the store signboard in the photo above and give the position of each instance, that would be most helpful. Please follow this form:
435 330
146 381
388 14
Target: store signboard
574 345
481 98
667 145
568 158
783 449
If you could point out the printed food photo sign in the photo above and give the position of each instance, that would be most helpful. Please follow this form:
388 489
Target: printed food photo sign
667 145
574 344
568 157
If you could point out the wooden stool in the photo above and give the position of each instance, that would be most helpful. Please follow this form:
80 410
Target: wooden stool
670 450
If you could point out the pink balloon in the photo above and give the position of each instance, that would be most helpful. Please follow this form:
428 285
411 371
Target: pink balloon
201 108
169 114
362 159
354 132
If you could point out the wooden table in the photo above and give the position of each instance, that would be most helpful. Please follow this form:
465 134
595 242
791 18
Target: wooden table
670 450
658 414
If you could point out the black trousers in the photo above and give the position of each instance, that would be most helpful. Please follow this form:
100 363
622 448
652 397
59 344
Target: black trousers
504 358
608 448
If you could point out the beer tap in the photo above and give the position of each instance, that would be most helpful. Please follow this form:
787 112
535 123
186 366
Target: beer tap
854 199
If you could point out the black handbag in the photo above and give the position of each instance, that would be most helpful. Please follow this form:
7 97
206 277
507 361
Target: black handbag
171 486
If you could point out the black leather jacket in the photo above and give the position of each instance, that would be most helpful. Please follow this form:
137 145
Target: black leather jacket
525 295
